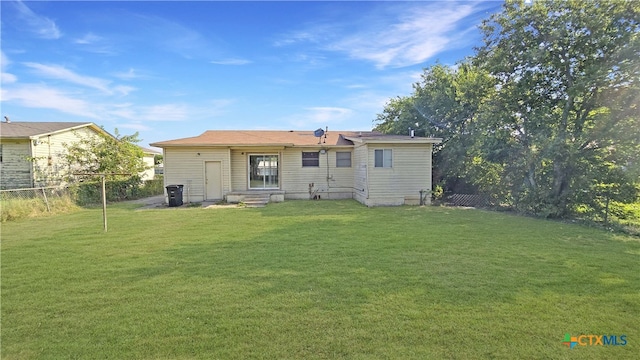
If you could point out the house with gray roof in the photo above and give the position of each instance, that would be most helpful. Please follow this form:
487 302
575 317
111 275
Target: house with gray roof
32 153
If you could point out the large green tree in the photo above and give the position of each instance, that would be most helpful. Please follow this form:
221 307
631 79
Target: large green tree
446 103
106 154
546 115
568 91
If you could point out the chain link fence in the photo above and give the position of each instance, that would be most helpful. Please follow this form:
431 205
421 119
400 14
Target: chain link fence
19 203
469 200
43 194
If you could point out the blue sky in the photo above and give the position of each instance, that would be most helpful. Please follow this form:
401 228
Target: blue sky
173 69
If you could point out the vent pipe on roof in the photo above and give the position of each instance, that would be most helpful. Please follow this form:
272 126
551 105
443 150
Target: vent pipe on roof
412 132
7 120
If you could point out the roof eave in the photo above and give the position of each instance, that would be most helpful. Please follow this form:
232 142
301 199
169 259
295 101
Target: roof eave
396 141
272 145
166 145
95 127
15 138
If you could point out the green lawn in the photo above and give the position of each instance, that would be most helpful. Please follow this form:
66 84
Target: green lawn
314 279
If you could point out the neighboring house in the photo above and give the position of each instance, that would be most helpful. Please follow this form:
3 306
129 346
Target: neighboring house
32 153
373 168
149 163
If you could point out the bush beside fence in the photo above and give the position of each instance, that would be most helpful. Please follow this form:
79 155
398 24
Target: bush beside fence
618 216
88 193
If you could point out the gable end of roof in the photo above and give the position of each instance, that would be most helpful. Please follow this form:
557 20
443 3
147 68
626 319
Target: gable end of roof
34 130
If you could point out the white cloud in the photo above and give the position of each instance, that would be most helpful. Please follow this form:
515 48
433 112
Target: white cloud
62 73
321 115
6 78
412 39
394 36
169 111
165 112
135 126
161 112
96 44
231 61
124 90
177 38
42 26
293 38
401 82
317 33
311 59
369 102
124 111
210 109
89 38
41 96
4 61
127 75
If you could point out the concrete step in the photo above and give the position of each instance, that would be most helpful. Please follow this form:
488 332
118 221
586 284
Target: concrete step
257 200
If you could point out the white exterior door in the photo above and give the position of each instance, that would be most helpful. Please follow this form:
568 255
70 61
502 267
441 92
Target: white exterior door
213 180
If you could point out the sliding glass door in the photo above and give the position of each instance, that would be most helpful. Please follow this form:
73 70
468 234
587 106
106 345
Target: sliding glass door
263 171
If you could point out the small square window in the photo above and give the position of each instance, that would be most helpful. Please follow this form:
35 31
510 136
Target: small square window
343 159
383 158
310 159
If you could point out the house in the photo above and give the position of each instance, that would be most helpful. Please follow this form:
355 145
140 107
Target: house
32 153
373 168
149 163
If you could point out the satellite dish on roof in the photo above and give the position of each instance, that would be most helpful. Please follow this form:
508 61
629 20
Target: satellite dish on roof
318 133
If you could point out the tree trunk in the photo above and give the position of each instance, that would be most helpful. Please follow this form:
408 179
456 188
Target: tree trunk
562 163
559 188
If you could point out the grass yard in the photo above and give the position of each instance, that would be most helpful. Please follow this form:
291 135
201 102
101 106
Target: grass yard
323 279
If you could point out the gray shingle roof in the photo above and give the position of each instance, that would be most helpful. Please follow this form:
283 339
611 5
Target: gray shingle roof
24 129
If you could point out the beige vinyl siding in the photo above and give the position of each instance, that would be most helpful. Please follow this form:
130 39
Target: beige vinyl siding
50 164
340 178
239 167
15 169
183 166
359 165
329 182
295 178
400 184
149 162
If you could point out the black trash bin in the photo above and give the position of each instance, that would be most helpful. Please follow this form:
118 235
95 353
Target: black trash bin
175 195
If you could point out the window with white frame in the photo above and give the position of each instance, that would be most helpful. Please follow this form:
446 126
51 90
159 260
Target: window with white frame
310 159
383 158
263 171
343 158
